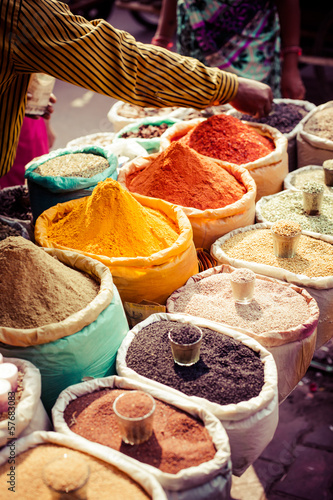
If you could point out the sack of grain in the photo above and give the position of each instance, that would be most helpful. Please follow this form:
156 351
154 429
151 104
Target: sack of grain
310 173
268 172
146 132
67 174
286 116
208 224
80 345
290 339
108 472
29 414
209 479
320 287
250 424
315 136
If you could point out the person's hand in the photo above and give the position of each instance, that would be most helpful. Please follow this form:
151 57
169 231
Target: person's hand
48 111
292 86
253 98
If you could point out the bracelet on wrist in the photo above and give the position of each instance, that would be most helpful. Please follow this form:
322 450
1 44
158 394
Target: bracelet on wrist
292 49
162 41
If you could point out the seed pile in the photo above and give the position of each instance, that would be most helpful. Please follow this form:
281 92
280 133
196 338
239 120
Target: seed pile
128 110
8 230
289 205
284 116
99 139
321 124
103 477
227 372
286 228
274 307
316 175
73 165
18 395
146 131
15 203
313 187
314 257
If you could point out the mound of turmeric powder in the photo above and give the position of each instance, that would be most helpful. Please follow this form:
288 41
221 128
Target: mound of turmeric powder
112 223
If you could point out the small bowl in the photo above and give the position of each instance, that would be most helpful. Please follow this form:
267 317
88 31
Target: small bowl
286 235
313 195
186 354
134 412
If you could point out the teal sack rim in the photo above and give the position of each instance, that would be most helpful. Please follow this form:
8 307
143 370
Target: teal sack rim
57 184
149 143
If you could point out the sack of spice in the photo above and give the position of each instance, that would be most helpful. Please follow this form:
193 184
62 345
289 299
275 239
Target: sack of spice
282 317
46 459
147 132
235 378
311 268
188 452
315 136
26 412
287 116
12 227
64 306
148 248
310 173
102 139
216 196
259 148
67 174
288 205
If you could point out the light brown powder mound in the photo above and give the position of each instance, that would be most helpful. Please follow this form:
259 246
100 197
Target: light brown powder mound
105 480
36 289
184 177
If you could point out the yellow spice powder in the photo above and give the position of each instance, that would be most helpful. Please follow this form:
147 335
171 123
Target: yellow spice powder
314 258
112 223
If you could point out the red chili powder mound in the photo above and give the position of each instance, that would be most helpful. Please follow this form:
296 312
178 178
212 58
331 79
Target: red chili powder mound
184 177
227 138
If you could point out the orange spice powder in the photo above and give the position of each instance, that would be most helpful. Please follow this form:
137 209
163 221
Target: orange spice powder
229 139
184 177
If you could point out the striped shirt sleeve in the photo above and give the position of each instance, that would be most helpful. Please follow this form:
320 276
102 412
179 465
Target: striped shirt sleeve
44 36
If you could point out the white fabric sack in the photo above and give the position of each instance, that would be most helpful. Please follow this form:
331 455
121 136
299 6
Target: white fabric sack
312 149
146 480
29 415
209 224
200 482
103 139
321 289
292 135
268 172
291 179
292 350
250 425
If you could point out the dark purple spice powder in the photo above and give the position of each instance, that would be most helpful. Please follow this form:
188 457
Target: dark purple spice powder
15 203
186 334
227 371
284 117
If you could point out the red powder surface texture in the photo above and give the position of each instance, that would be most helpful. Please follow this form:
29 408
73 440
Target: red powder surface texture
228 139
184 177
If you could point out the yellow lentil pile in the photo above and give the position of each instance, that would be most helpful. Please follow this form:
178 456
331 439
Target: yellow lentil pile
314 258
105 480
112 223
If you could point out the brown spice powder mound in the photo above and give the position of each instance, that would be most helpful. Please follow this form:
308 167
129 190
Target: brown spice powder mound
178 441
184 177
36 289
105 480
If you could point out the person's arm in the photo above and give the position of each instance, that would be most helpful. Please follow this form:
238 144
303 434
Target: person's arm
167 24
290 23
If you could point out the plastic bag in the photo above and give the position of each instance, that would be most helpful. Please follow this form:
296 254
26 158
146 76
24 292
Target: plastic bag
250 425
321 289
207 480
29 415
150 278
84 344
207 225
292 349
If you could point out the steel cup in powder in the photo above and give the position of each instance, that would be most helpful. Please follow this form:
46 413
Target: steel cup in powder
328 172
134 412
185 344
313 194
242 284
286 235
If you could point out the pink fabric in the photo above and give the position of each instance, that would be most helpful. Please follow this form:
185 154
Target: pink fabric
33 142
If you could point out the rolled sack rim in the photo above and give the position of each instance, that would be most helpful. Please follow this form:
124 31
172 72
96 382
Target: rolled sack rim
75 322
